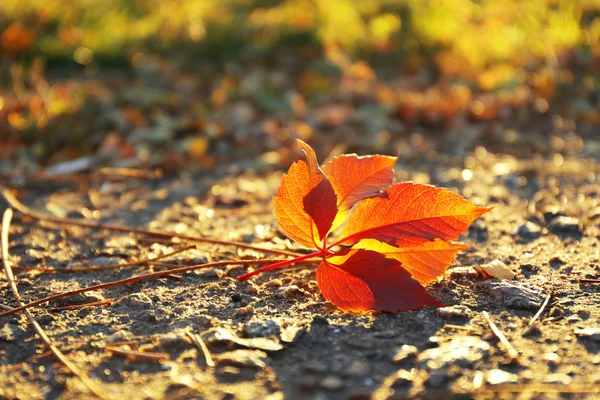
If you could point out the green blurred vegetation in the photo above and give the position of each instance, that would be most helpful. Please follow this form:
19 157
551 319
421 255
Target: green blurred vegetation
461 37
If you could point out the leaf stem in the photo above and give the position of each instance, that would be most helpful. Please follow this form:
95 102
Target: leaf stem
281 264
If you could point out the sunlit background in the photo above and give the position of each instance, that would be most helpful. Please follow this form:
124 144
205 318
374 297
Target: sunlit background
205 83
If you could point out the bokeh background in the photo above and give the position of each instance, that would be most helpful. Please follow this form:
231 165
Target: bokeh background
228 85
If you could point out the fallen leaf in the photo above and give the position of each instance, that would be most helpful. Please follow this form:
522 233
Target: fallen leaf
305 204
364 280
409 214
495 269
425 263
398 238
355 178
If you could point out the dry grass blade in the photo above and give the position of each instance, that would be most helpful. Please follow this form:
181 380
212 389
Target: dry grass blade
510 350
6 220
15 203
131 280
589 281
537 315
131 173
105 267
91 304
202 347
138 355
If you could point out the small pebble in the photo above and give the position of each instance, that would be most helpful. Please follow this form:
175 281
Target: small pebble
288 292
498 376
591 333
565 226
529 231
454 312
332 383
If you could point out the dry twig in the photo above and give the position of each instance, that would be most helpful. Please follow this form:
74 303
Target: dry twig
138 355
6 219
91 304
537 315
510 350
15 203
131 280
589 281
202 347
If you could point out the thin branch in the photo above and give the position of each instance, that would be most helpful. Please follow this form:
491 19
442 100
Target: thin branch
510 350
105 267
589 281
537 315
133 279
91 304
6 220
202 347
15 203
138 355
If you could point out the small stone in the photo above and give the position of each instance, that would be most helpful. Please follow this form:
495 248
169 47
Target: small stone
316 367
243 358
558 378
118 336
289 292
498 376
516 295
462 351
358 368
553 359
405 353
262 329
332 383
80 298
454 312
573 319
565 226
236 297
244 312
229 374
529 231
224 337
592 333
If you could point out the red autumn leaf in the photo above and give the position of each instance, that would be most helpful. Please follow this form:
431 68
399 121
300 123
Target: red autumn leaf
364 280
355 178
409 214
399 238
305 204
425 262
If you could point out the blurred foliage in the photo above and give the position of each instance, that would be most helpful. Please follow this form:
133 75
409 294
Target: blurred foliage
166 81
460 36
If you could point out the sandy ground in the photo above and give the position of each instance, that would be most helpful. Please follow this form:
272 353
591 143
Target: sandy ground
274 336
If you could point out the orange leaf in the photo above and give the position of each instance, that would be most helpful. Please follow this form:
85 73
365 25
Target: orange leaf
305 204
425 262
355 178
364 280
410 214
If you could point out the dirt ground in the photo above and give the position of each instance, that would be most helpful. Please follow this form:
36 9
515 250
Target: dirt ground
274 336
